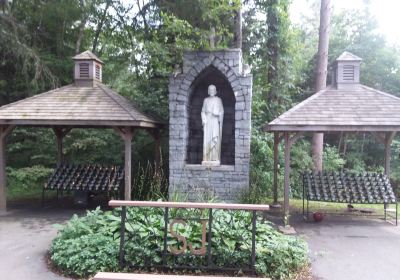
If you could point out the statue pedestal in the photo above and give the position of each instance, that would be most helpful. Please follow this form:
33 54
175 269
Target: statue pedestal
211 163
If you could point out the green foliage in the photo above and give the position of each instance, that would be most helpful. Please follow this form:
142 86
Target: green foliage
26 181
87 245
300 161
149 183
141 43
91 243
261 168
202 15
332 160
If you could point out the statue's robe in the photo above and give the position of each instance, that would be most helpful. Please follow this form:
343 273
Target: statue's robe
212 115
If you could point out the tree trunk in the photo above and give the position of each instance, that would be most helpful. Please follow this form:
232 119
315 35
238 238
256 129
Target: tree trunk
100 26
320 75
81 26
238 28
273 50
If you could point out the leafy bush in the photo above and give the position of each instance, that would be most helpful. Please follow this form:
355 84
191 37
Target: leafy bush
332 159
261 168
261 171
26 181
91 243
88 244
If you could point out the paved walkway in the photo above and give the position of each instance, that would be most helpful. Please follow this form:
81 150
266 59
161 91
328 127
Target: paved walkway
342 248
25 236
352 248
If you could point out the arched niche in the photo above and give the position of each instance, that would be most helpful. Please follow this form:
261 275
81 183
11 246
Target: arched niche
199 87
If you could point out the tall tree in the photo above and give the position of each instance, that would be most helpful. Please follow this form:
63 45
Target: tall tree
85 14
321 74
273 47
100 24
238 28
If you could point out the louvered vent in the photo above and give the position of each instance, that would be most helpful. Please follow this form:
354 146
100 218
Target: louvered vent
87 69
98 72
84 70
348 73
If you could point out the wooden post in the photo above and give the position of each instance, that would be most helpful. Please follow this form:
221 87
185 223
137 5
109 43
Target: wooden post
128 162
287 178
126 134
388 141
3 198
60 134
60 153
276 158
4 131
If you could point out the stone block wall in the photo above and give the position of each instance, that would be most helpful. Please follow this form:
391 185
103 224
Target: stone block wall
194 181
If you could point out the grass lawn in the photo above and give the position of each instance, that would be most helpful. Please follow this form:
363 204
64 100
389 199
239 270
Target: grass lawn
32 193
17 193
296 205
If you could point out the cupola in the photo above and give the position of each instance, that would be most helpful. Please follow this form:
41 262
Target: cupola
347 71
88 69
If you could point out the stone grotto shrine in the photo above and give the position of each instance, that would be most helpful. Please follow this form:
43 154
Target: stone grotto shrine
188 177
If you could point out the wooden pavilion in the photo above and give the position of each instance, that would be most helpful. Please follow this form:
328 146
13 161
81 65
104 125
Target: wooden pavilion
87 103
345 106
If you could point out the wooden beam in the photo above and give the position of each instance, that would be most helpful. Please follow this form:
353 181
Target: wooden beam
4 131
81 123
379 137
194 205
331 128
119 131
388 141
287 179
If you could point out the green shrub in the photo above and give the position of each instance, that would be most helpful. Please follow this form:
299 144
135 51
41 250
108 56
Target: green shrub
261 168
91 243
27 181
332 159
87 244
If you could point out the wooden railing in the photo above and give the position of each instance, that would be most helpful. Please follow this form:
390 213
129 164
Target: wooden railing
205 216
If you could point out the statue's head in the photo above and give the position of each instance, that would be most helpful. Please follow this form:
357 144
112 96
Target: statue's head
212 90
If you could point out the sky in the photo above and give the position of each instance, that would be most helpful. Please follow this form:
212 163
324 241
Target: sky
386 13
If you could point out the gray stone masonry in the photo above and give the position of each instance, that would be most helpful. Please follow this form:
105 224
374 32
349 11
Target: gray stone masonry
194 181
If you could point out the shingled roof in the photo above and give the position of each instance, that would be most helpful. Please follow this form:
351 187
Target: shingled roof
347 56
357 109
73 105
345 106
86 102
87 55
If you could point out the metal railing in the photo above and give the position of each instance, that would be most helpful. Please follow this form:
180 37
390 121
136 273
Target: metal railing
172 245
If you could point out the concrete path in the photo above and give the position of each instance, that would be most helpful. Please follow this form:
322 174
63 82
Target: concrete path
342 248
352 248
25 236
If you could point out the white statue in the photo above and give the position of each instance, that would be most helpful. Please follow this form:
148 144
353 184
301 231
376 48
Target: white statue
212 116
